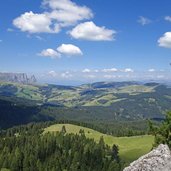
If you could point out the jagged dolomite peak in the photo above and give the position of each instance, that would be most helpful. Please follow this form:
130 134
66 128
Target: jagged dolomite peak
158 159
17 78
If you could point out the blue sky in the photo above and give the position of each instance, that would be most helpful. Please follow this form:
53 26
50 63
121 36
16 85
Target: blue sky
65 41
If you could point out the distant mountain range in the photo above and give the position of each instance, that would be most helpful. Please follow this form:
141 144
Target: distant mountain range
17 78
101 100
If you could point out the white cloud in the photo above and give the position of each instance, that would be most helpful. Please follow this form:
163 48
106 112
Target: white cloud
35 23
143 20
110 70
59 13
52 73
128 70
165 40
168 18
78 75
86 70
66 75
67 12
50 53
69 49
89 31
66 49
63 13
151 70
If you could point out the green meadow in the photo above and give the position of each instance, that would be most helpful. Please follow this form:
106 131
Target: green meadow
130 148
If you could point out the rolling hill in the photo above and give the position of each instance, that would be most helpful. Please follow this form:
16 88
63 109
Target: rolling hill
113 100
130 148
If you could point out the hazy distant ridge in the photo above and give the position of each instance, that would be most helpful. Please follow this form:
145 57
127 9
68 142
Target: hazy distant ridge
17 78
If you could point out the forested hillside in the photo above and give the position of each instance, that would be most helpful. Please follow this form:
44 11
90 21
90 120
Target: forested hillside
116 108
118 100
25 148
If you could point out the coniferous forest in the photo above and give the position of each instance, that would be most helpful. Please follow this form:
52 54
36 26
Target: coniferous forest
26 148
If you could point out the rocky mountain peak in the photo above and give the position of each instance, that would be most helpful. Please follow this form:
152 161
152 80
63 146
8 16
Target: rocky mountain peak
17 78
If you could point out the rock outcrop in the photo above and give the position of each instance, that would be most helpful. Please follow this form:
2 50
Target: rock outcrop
17 78
158 159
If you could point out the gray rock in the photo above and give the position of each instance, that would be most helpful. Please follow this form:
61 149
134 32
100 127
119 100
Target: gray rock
158 159
17 78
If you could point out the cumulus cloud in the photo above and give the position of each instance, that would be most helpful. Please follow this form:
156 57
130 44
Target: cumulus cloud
69 49
35 23
89 31
67 12
63 13
66 74
52 73
50 53
66 49
165 40
167 18
91 75
60 13
143 20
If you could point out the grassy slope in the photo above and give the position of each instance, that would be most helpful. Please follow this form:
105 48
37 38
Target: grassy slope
136 89
130 147
70 98
30 92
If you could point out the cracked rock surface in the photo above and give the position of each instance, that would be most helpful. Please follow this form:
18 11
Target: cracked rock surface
158 159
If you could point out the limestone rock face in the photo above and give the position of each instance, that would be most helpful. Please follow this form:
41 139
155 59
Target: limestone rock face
17 78
158 159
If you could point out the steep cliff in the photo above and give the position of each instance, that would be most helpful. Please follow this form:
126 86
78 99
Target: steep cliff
17 78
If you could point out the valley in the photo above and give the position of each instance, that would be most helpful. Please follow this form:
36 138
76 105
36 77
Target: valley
119 100
117 111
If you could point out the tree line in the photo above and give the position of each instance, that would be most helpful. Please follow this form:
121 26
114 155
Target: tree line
162 132
25 148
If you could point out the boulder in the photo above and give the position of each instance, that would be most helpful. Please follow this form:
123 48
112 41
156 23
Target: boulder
159 159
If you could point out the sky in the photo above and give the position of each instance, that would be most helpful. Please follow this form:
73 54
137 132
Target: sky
76 41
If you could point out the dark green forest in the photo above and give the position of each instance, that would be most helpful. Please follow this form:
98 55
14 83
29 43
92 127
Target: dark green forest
16 114
162 132
24 148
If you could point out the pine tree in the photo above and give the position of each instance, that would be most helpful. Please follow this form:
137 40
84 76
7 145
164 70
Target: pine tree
115 153
163 132
63 129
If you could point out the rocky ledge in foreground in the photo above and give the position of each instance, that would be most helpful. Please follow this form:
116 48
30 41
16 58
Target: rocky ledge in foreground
158 159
